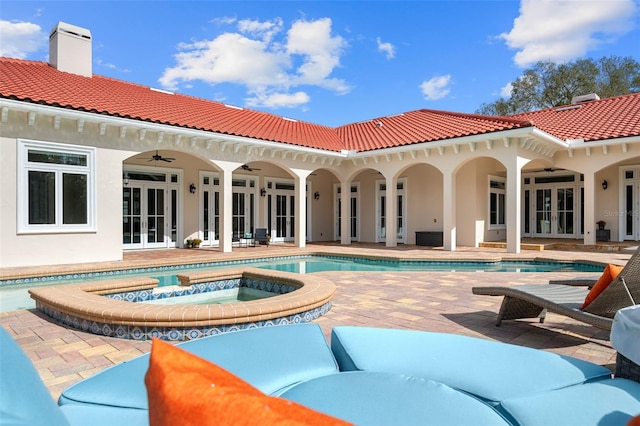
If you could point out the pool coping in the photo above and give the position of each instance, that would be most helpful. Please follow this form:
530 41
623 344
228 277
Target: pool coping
83 306
91 271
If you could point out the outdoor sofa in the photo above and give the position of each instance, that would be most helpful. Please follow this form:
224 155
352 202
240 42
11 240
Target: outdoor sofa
366 376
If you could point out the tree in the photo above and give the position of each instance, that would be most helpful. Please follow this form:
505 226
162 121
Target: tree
547 84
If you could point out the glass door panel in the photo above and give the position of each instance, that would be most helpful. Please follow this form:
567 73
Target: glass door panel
382 231
629 221
155 217
281 216
239 216
131 217
543 212
564 212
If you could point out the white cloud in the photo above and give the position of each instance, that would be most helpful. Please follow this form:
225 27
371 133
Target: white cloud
278 100
436 88
268 66
320 53
505 92
19 39
387 48
263 30
560 31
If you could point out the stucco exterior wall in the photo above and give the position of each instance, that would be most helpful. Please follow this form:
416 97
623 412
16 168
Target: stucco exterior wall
424 200
103 244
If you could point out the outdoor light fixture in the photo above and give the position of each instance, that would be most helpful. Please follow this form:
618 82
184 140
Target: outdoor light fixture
605 185
263 192
125 179
192 188
316 195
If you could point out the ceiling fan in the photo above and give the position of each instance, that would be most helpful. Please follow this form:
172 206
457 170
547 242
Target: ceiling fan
246 167
158 157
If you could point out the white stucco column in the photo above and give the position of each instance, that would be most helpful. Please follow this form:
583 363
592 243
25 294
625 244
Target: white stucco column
391 219
300 214
345 212
514 204
226 207
449 210
589 208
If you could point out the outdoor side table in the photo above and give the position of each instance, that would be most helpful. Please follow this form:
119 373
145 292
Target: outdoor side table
625 339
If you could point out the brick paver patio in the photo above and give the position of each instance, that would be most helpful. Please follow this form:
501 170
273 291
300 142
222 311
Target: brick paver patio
431 301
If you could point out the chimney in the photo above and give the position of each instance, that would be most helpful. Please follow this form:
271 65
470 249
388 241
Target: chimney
70 49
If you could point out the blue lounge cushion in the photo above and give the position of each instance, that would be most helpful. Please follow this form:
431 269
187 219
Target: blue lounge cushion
270 358
24 399
98 415
605 402
374 398
492 371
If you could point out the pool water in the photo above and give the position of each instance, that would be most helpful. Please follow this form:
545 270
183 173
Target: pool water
14 296
240 294
321 264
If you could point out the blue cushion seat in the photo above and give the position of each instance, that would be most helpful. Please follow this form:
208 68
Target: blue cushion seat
490 370
24 399
374 398
270 358
605 402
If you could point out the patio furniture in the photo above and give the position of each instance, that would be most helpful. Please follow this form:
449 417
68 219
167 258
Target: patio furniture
247 240
535 300
625 339
261 236
367 376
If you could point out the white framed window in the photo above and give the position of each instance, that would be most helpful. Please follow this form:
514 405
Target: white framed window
497 207
56 188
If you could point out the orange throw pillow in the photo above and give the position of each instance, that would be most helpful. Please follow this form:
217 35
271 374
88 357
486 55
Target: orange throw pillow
184 389
609 274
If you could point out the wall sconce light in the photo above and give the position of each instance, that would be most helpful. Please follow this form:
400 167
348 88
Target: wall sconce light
263 192
192 188
316 195
605 185
125 179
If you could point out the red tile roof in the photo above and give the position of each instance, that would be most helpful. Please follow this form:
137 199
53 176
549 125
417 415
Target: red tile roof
40 83
609 118
421 126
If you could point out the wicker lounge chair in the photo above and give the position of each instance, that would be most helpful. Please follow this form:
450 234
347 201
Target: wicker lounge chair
534 300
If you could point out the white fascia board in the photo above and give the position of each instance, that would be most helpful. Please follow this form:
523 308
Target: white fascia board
156 127
578 144
513 133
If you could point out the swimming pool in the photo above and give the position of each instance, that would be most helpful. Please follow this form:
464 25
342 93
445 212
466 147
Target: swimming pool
14 296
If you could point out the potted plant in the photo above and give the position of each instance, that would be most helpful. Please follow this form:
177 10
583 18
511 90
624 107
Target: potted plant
189 243
601 224
196 242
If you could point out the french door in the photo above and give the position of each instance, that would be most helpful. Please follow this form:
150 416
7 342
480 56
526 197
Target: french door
554 208
354 207
210 209
630 204
243 207
281 208
382 214
147 219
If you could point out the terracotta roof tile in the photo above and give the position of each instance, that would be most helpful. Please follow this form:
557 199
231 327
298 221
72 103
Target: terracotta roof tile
421 126
38 82
604 119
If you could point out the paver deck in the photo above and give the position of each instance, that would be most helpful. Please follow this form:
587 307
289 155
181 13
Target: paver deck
431 301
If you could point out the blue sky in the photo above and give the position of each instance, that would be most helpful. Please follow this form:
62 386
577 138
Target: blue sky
329 62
